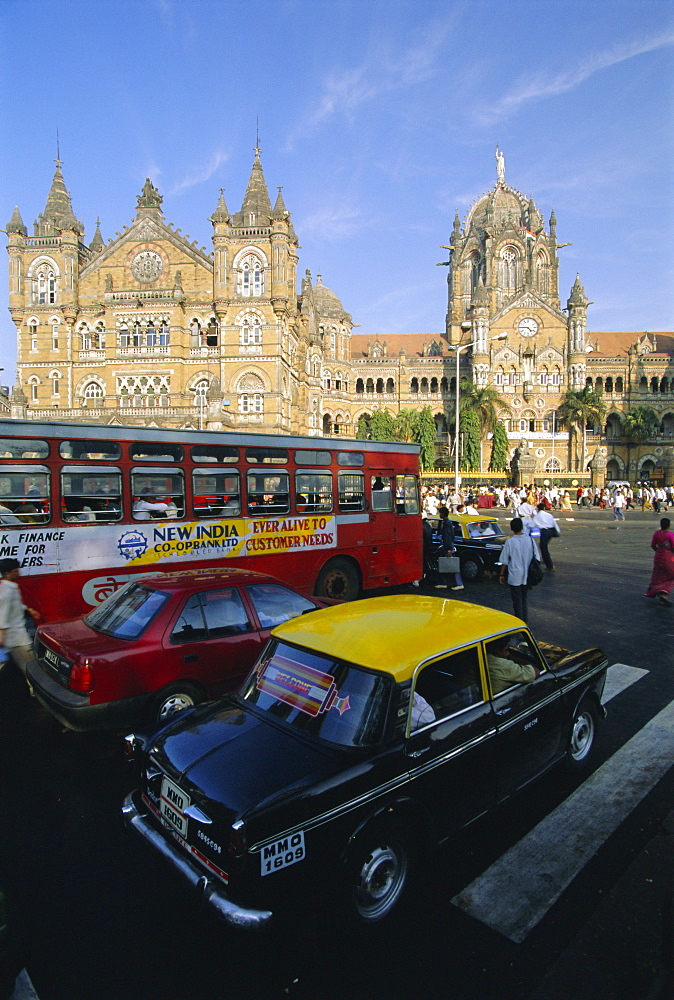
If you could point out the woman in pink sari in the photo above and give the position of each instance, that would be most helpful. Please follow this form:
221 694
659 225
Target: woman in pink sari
662 578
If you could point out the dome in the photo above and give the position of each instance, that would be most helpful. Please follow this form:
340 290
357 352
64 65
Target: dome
327 303
497 208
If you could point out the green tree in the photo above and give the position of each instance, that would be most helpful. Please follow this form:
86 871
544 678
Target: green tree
363 429
641 423
382 426
405 425
480 410
472 440
500 447
425 435
578 409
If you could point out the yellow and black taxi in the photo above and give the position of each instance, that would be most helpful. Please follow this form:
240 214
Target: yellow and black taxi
365 734
478 540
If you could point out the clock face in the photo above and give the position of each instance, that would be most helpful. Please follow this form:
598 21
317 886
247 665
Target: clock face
528 327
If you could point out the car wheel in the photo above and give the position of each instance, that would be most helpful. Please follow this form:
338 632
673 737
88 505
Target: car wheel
338 580
176 698
379 873
472 568
583 737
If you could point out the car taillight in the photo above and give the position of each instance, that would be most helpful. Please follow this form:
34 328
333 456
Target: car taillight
81 677
237 840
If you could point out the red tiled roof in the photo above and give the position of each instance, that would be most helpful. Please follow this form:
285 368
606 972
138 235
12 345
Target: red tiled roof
413 343
613 345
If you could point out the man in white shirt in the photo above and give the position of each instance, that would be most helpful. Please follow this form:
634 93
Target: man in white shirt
143 508
13 633
549 529
516 556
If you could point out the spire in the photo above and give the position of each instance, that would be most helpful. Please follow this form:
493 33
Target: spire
221 213
256 207
553 223
578 297
15 224
58 213
280 210
97 244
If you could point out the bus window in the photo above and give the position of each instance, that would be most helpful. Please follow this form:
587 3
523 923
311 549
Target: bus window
306 457
351 490
223 454
98 451
268 494
24 496
350 458
381 493
216 494
158 494
407 495
91 494
313 492
266 456
150 451
23 448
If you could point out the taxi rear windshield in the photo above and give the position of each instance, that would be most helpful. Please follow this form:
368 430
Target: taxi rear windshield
126 614
484 529
322 697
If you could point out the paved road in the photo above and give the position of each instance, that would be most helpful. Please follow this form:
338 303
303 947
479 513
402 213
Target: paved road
109 921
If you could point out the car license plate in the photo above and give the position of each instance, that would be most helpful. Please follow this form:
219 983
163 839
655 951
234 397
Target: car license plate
173 804
282 853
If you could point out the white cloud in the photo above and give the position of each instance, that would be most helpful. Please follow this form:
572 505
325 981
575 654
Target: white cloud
541 86
389 69
201 175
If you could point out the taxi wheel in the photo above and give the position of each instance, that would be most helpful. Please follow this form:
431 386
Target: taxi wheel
472 569
176 698
379 872
583 738
338 580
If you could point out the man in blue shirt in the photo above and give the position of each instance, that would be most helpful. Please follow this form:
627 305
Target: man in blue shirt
516 556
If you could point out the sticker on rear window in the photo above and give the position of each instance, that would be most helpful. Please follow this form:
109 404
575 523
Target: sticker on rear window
311 691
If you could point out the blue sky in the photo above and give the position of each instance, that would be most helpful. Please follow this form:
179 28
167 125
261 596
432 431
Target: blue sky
380 120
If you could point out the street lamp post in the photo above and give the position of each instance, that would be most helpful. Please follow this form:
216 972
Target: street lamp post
466 325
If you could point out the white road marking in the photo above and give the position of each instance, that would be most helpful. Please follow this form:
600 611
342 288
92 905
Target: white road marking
619 677
519 889
24 989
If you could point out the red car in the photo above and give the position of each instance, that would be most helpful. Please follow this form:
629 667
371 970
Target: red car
160 644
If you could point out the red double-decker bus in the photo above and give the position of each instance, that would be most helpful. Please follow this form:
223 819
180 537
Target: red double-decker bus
84 507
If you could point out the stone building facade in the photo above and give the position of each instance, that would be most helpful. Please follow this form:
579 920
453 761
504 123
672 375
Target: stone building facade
150 329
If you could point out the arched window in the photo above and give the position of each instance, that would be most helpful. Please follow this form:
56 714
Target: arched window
44 284
380 385
212 333
512 376
664 385
251 331
543 379
369 385
608 385
55 377
434 385
414 385
444 385
619 384
643 384
55 335
93 391
424 384
508 269
499 377
33 383
360 386
556 377
599 384
200 389
655 385
390 385
250 277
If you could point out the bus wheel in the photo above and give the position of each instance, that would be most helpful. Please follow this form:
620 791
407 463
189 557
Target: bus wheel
176 698
339 580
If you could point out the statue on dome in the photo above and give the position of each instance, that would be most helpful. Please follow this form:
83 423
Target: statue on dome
500 166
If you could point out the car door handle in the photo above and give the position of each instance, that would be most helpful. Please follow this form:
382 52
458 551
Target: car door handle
503 711
418 753
191 658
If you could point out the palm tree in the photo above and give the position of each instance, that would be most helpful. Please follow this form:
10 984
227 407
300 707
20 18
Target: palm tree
640 424
481 410
425 433
577 409
500 446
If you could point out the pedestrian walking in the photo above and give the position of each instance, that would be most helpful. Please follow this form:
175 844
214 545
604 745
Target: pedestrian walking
619 504
516 557
14 636
662 577
549 528
448 549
